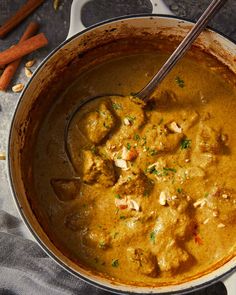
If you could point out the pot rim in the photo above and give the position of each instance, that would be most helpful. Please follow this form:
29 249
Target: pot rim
44 247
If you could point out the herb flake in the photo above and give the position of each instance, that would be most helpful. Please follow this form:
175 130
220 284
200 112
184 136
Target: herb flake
102 244
116 106
180 82
131 119
152 170
152 237
153 152
122 217
128 146
185 143
115 263
170 169
136 137
161 121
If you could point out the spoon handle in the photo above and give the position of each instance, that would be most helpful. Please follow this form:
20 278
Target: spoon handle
200 25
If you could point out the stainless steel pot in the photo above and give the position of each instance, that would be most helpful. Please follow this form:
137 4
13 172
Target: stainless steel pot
31 109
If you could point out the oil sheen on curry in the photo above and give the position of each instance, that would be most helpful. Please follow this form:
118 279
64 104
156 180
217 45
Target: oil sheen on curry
148 194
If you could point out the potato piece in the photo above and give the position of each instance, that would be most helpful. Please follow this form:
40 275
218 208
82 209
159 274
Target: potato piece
142 261
96 125
66 189
97 169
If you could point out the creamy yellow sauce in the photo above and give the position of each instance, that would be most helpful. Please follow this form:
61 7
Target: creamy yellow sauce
166 211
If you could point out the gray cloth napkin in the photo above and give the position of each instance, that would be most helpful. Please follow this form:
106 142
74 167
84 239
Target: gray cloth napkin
26 269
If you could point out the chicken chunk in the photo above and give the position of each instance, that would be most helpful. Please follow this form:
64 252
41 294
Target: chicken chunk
169 142
208 140
173 227
66 189
134 183
172 257
97 124
97 169
173 222
223 201
142 261
131 117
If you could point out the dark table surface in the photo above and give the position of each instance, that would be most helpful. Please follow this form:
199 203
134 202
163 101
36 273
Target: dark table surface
55 25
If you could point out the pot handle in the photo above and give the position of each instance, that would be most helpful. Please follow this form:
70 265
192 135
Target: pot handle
77 26
230 284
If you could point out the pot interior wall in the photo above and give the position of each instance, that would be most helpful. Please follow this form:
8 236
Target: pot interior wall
59 71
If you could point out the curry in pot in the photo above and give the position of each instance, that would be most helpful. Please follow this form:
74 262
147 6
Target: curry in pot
147 195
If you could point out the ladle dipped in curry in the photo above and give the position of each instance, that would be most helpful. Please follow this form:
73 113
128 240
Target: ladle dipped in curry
150 196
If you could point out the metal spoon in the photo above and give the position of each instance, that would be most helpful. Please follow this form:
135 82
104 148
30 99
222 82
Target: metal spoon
146 92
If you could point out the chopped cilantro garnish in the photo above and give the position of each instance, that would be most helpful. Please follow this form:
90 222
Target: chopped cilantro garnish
128 145
165 173
146 193
94 149
185 143
122 217
115 263
105 125
115 235
117 211
206 195
179 190
117 196
144 140
169 169
152 237
180 82
102 244
119 156
161 121
166 170
153 152
116 106
136 137
131 119
146 148
152 170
